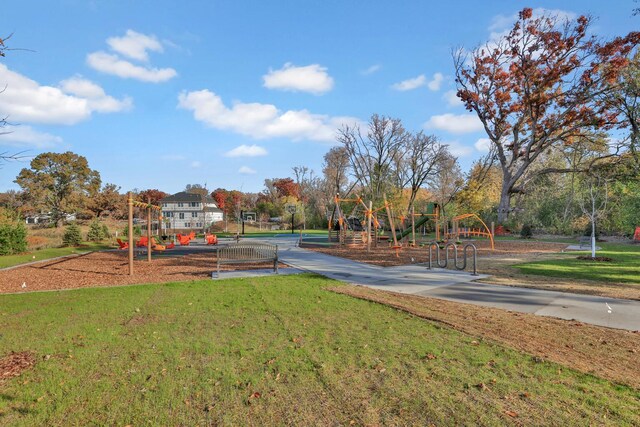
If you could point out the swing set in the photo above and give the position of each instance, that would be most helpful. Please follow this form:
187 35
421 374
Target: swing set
149 241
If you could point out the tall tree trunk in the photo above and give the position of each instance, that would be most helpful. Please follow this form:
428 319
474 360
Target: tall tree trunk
505 203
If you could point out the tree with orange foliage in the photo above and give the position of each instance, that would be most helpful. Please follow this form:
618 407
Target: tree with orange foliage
538 87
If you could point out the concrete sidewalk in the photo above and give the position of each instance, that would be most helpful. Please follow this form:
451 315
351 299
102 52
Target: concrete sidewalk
460 286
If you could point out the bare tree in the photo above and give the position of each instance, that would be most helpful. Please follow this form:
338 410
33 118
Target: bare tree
593 202
447 181
335 169
417 161
372 157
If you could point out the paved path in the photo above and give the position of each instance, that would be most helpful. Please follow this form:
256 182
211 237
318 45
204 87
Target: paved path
460 287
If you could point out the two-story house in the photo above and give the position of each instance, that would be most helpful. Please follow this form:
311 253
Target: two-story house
183 212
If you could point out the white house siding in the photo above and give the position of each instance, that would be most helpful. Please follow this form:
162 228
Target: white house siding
189 215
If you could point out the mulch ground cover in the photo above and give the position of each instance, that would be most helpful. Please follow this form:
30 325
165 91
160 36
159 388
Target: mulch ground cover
385 256
111 269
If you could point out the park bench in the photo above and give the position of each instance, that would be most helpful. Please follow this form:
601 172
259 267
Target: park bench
248 252
585 242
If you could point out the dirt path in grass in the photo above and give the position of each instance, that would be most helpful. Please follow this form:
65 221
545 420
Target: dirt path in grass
497 263
608 353
110 269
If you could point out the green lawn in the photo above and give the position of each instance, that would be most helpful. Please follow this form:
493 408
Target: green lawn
278 350
625 267
42 254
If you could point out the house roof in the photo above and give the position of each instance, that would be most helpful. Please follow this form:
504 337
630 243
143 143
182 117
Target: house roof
183 196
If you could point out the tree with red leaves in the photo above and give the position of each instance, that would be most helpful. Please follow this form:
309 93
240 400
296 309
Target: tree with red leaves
540 86
153 195
287 187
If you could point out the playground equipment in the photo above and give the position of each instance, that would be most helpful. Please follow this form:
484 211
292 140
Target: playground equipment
211 239
123 245
148 207
349 229
636 235
456 231
455 256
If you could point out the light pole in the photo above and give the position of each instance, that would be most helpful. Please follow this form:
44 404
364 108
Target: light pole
291 208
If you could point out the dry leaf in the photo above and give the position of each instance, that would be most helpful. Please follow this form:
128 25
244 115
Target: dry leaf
511 414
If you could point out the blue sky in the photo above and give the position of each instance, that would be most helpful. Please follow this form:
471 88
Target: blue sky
160 94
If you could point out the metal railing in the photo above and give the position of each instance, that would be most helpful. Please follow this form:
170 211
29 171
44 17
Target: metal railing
455 256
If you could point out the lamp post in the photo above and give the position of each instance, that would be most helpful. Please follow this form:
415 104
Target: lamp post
291 208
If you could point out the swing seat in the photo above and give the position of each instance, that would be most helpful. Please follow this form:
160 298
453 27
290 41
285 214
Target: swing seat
123 245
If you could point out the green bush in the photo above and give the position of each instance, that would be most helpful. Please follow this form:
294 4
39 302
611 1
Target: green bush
96 232
72 236
105 232
137 231
13 233
526 232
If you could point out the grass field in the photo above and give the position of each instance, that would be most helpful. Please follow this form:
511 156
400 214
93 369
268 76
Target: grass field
277 350
42 254
625 267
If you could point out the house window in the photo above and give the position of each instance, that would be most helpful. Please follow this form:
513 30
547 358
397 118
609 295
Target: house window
198 224
164 205
194 214
181 215
180 204
194 204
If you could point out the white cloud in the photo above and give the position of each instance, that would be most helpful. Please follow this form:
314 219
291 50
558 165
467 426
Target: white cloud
455 123
311 78
113 64
26 101
246 170
261 121
196 164
372 69
97 99
452 99
26 136
458 149
134 45
483 145
246 151
435 83
410 84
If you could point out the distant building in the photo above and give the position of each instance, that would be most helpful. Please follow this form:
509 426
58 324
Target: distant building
188 211
45 218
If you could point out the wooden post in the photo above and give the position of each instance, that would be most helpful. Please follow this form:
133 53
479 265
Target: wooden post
160 225
493 228
149 230
393 228
437 209
369 220
130 204
413 225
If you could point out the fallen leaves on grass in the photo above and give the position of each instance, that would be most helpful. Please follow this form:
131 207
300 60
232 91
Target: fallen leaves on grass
14 363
